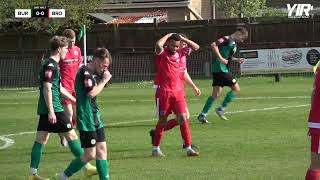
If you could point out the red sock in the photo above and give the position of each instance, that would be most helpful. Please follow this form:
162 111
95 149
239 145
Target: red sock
171 124
185 133
313 174
158 134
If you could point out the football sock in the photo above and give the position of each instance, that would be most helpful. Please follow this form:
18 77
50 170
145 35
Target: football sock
171 124
313 175
228 98
36 155
208 105
102 168
185 133
74 166
158 134
75 147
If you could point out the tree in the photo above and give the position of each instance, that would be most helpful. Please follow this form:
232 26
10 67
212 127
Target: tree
76 15
248 8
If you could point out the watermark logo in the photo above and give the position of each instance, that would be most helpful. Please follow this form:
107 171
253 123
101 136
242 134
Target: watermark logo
301 10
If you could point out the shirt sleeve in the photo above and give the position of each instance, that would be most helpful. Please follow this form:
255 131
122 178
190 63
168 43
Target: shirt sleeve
49 71
160 53
223 41
87 81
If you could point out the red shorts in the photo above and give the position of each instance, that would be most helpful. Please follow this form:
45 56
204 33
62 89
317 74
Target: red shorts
67 102
170 101
315 140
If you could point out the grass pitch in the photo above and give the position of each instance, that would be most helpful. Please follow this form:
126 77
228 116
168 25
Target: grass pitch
265 139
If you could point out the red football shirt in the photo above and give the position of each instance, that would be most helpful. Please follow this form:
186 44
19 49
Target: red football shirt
314 115
184 53
168 71
69 67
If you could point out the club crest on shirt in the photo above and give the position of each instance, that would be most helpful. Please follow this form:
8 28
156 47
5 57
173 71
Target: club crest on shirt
88 83
48 73
220 40
76 53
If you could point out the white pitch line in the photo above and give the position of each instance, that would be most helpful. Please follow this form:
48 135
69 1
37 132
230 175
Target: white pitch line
27 92
151 100
9 142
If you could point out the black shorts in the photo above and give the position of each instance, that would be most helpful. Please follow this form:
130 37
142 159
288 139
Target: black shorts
63 123
223 79
90 138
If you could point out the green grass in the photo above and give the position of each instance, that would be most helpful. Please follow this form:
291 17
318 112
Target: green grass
264 144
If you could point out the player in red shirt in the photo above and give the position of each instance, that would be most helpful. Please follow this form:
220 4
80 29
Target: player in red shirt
184 51
313 172
170 93
69 67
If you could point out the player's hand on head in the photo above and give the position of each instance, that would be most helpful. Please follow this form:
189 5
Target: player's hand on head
52 118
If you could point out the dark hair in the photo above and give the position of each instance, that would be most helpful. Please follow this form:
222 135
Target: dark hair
242 30
175 37
69 33
183 35
101 54
58 42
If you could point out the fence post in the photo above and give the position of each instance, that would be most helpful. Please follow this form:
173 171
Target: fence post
277 77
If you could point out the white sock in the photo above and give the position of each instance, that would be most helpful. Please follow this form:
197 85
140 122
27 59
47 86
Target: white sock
33 171
155 148
189 148
63 176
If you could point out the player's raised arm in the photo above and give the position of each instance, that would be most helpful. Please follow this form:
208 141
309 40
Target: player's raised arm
188 80
215 48
160 43
194 46
98 88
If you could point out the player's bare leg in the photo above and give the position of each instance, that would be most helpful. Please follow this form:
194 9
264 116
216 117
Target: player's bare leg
101 160
235 90
216 92
74 116
42 138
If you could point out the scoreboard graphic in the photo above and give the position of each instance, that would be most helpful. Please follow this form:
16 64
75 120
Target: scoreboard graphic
40 11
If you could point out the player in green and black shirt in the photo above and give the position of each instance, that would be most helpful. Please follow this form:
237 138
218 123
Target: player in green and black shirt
224 49
88 114
52 116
